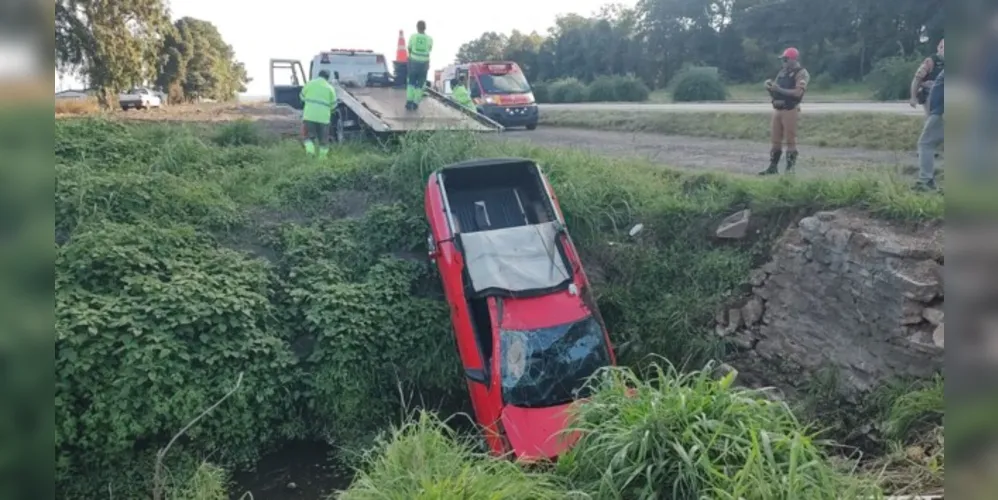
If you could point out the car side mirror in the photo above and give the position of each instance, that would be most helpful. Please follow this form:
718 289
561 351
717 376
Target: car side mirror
476 375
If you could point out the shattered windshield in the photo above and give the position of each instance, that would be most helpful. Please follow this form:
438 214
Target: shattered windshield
548 366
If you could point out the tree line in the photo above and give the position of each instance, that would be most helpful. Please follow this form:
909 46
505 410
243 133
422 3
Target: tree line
117 44
657 39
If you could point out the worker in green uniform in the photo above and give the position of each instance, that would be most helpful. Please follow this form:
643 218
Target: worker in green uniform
460 93
420 46
319 98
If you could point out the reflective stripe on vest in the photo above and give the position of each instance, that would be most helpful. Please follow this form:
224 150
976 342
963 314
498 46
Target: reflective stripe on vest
325 104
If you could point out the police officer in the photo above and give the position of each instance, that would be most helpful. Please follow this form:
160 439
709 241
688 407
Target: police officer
786 93
319 98
926 73
460 93
420 46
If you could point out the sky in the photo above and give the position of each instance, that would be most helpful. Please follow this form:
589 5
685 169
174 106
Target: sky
298 29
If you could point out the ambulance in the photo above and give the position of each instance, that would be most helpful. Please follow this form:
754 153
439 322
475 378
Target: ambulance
499 88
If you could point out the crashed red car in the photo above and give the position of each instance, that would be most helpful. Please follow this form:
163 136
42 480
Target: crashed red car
528 332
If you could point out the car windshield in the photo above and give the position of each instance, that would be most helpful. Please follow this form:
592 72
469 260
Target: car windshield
549 366
509 83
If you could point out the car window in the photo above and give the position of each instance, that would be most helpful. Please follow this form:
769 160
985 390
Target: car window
549 366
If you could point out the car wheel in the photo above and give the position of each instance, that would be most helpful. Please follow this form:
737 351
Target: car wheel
532 126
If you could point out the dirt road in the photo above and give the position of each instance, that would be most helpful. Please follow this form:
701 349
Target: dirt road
745 157
900 108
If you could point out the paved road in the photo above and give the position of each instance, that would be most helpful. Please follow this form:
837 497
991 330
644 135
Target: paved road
900 108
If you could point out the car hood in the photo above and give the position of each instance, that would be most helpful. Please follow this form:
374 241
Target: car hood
538 433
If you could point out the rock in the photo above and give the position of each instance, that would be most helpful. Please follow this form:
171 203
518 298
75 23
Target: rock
734 319
918 281
915 453
752 311
811 229
939 336
721 318
292 485
933 315
757 277
911 313
735 226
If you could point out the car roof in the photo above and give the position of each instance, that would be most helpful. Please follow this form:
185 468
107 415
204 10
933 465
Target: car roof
484 162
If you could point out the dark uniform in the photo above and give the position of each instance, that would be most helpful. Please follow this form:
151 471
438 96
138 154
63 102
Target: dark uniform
927 73
786 92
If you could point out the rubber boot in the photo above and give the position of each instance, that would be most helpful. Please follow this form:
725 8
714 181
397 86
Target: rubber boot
323 152
774 162
310 147
791 162
410 97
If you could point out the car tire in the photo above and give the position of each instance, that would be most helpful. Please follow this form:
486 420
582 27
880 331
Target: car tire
532 126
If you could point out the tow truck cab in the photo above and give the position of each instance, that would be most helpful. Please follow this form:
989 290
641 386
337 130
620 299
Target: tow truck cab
500 91
350 67
527 330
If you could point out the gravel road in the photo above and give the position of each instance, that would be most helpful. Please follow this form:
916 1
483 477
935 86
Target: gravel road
746 157
900 108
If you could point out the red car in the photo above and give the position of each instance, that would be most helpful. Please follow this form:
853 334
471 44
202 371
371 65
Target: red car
527 330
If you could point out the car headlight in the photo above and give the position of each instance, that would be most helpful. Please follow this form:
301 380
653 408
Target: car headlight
492 100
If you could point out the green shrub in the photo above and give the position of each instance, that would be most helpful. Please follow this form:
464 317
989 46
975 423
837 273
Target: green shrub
698 84
630 88
823 81
890 79
568 90
238 133
424 459
692 436
542 92
602 89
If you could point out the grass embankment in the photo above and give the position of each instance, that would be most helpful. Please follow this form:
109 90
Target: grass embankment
878 131
754 92
183 266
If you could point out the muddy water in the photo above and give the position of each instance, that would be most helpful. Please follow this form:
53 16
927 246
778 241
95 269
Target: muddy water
299 470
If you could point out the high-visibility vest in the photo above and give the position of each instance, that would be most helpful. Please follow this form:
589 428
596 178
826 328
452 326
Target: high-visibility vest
319 98
420 45
462 96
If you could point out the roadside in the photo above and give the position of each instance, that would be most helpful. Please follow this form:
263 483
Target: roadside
873 131
737 156
752 92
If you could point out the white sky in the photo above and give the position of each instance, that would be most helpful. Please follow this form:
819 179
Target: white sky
298 29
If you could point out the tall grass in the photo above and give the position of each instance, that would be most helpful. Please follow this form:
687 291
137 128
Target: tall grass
424 459
76 106
693 436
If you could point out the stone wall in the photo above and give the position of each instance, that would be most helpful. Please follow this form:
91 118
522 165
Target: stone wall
844 293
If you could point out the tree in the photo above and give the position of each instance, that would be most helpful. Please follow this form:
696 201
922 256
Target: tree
197 63
488 47
113 44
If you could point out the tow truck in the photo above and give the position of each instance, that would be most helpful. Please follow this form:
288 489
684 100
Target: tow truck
370 102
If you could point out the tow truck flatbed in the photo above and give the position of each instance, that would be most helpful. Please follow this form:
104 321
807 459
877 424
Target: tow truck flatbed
371 103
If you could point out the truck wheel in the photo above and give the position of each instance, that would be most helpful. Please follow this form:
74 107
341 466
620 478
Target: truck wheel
339 135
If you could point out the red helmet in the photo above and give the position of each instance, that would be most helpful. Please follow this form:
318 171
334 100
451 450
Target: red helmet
791 53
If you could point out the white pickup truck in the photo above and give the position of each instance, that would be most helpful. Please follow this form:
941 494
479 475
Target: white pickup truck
139 98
